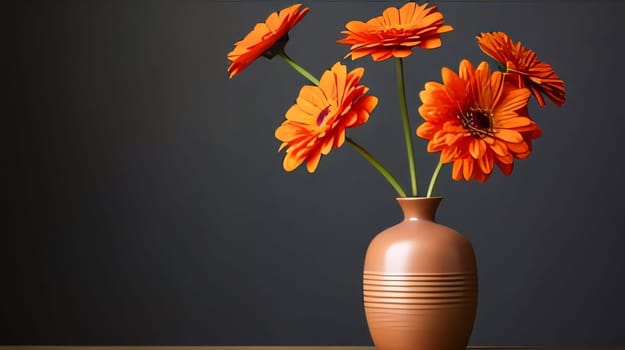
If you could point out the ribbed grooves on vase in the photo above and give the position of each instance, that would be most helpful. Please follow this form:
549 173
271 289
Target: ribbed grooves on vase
392 318
416 291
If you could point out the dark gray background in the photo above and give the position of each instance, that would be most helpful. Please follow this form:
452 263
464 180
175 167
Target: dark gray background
148 204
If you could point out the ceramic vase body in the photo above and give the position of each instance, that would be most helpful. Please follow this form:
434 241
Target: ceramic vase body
420 283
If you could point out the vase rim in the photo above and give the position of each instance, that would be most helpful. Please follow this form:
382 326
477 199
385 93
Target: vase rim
418 198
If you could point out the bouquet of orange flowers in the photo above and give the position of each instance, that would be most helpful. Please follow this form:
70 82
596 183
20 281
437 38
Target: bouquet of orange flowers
475 118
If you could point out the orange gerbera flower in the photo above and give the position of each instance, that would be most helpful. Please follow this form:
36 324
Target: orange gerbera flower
266 39
524 68
396 32
316 123
476 121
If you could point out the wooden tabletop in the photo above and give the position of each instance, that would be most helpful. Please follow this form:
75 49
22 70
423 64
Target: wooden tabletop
282 347
231 347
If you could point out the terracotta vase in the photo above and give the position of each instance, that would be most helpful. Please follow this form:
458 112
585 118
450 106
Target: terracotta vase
420 283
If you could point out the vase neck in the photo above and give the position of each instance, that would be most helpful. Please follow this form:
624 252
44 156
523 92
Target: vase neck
419 208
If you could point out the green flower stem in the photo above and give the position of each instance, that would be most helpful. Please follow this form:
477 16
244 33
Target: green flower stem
406 124
299 68
387 175
434 177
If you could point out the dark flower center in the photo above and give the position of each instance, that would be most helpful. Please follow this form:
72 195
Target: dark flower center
322 115
477 121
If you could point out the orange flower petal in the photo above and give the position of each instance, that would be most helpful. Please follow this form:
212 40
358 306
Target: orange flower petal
486 163
312 161
513 122
508 135
467 168
456 170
